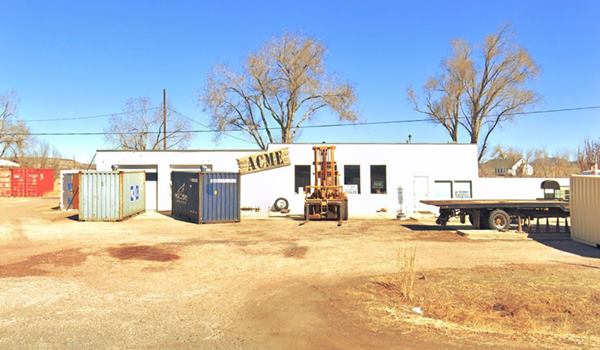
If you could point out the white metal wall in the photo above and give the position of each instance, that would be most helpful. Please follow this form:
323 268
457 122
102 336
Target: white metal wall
585 209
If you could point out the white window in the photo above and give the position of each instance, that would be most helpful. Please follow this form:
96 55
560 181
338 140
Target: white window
442 189
463 189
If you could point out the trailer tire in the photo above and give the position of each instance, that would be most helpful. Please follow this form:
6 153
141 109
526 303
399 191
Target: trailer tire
483 221
472 221
281 204
499 220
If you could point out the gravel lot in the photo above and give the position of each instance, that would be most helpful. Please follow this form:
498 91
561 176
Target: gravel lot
155 282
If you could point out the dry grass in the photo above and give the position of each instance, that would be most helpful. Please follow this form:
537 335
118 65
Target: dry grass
547 303
406 273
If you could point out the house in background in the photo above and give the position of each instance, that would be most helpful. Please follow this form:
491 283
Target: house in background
509 167
593 170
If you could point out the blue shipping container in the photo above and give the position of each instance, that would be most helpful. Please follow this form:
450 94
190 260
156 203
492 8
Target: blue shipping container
206 197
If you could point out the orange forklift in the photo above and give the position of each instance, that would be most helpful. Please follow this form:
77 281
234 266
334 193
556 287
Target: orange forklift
325 200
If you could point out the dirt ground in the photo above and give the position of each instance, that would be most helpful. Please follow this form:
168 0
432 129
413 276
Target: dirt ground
155 282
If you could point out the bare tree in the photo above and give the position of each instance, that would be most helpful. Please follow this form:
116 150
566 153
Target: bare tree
36 154
14 133
511 153
42 154
588 154
488 86
544 164
443 94
140 127
282 86
558 164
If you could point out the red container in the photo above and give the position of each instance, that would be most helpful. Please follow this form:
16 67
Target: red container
31 182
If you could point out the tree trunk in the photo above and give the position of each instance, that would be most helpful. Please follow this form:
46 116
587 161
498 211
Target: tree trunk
455 134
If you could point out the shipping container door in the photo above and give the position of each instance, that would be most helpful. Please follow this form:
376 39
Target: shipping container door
185 196
221 198
151 182
46 181
67 191
25 183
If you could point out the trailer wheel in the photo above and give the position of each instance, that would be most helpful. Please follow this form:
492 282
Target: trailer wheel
483 220
472 221
280 204
499 220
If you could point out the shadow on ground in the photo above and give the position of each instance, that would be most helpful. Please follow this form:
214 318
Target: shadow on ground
424 227
572 247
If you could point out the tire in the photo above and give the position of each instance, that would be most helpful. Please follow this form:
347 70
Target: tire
472 221
281 204
499 220
483 221
345 218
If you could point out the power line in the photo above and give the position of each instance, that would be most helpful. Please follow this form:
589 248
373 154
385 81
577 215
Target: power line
208 130
572 109
416 120
97 116
206 126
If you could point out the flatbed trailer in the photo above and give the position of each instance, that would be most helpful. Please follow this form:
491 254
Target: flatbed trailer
498 213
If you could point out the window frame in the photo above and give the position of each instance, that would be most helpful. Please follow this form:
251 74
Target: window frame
470 182
451 182
385 184
296 166
346 177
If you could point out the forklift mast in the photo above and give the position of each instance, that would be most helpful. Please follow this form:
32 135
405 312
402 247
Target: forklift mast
327 177
326 198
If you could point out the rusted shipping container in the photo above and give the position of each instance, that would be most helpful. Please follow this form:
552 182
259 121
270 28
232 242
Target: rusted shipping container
69 184
111 195
5 188
585 209
28 182
209 197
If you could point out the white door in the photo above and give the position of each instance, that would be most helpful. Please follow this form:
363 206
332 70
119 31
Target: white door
421 191
151 190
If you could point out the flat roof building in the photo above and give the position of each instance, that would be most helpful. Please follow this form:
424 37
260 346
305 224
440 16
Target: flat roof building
376 176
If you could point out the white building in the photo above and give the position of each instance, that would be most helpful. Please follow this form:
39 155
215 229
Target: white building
386 176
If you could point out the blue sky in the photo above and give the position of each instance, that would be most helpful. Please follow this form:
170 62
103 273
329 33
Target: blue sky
79 58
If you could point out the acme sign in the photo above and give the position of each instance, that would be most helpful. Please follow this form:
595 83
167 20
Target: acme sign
264 161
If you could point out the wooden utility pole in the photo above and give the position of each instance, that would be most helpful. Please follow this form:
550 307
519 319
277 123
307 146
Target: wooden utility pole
165 119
